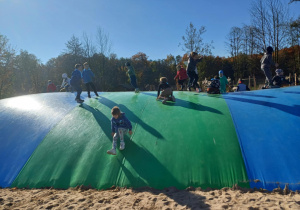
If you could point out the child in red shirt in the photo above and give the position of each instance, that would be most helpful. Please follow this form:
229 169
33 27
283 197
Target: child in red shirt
51 87
181 75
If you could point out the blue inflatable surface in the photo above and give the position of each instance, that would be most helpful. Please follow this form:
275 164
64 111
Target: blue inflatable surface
24 123
268 126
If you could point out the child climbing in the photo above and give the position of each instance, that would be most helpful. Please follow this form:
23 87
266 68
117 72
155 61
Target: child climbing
131 74
181 76
119 127
87 76
166 91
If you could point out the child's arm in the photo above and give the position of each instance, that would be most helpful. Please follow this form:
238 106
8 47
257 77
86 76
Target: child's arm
112 128
158 92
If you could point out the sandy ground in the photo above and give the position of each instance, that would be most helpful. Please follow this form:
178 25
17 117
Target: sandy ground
147 198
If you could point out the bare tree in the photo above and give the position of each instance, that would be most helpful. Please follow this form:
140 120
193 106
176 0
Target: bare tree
193 41
88 48
260 21
103 42
278 25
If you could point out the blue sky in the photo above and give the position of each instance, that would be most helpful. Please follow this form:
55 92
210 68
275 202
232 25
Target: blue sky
154 27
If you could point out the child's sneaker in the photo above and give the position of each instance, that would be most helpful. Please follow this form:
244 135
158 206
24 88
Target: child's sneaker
79 100
122 145
111 152
164 101
89 96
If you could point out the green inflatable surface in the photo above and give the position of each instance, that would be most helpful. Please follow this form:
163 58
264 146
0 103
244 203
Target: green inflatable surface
191 142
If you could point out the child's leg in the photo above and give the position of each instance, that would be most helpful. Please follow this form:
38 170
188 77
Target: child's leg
122 132
78 90
115 139
87 85
133 81
94 88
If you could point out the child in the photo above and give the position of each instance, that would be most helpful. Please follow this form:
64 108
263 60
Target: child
214 87
266 62
181 75
87 76
192 71
132 76
76 82
166 91
223 81
51 87
242 87
65 85
279 79
119 127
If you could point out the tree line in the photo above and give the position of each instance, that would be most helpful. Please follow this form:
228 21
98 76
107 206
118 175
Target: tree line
23 73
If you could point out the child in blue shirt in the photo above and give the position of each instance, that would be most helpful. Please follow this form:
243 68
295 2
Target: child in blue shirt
87 76
76 82
119 127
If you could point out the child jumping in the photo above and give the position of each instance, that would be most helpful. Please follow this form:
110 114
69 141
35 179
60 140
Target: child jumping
119 127
166 91
132 76
181 76
194 58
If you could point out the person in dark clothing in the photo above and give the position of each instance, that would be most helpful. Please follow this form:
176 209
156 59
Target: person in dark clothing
266 63
166 91
192 71
76 82
279 79
131 74
214 87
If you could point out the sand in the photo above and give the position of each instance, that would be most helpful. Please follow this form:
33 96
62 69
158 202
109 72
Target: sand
147 198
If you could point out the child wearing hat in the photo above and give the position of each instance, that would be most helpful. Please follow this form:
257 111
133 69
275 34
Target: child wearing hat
223 81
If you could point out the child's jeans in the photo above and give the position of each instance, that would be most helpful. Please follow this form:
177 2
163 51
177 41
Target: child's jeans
78 90
119 134
133 81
